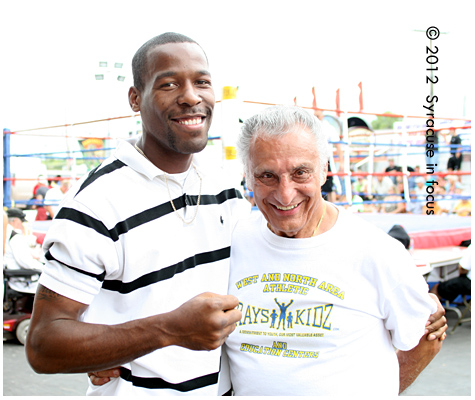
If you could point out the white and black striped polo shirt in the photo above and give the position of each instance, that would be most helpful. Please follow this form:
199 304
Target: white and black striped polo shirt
117 245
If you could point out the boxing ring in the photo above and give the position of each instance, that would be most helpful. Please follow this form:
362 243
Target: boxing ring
366 152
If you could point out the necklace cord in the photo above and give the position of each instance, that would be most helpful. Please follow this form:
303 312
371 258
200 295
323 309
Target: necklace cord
168 190
321 218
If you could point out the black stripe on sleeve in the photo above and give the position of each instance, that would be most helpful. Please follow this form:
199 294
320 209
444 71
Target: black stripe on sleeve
159 383
83 219
168 272
100 277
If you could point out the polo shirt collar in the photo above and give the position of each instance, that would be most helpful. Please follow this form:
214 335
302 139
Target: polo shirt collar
127 153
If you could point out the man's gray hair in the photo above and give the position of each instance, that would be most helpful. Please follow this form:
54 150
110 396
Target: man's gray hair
279 121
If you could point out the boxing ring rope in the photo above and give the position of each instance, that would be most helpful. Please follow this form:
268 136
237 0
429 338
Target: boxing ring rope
348 141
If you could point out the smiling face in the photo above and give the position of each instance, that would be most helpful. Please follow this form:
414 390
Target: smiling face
286 182
176 103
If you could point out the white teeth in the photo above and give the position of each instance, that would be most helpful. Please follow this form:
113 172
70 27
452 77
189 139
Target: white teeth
194 121
286 208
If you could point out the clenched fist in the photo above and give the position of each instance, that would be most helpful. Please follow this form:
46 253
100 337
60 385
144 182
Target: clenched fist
203 322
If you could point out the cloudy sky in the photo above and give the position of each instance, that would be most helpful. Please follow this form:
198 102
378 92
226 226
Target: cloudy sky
273 50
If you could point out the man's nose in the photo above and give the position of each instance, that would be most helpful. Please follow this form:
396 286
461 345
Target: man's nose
285 193
189 95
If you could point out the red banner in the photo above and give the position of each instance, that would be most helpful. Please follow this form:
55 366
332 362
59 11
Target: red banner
360 85
337 100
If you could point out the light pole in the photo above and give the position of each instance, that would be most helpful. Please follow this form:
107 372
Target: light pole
110 73
101 75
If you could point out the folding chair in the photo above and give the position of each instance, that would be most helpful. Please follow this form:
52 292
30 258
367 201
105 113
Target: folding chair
462 318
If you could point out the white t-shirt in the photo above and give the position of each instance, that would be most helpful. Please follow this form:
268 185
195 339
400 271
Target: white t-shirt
53 198
466 261
320 316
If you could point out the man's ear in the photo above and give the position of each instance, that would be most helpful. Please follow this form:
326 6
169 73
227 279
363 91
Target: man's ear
134 99
249 183
324 174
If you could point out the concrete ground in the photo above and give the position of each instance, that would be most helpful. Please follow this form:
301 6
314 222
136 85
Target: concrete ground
449 374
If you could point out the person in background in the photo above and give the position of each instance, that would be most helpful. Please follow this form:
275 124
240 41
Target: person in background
412 179
360 187
55 196
415 205
452 184
332 136
18 252
394 204
420 189
463 206
39 194
455 161
392 167
5 225
381 186
461 285
41 187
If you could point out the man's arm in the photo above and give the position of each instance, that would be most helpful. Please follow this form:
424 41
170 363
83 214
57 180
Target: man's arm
49 210
58 342
413 362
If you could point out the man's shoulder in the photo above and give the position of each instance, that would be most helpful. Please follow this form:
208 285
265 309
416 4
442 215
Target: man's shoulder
53 193
250 222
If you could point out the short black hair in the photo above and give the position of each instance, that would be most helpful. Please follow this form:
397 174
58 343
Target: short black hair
139 62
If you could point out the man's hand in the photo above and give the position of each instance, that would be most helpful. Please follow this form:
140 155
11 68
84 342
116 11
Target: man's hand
100 378
204 322
437 323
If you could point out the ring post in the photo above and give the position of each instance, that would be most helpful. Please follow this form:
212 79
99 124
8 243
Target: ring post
346 157
405 181
7 184
229 135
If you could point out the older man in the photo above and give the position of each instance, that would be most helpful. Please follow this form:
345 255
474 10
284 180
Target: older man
350 291
315 315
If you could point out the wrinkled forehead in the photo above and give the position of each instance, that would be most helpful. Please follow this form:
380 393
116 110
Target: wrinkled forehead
284 151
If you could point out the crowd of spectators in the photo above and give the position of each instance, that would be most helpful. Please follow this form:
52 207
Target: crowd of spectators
386 193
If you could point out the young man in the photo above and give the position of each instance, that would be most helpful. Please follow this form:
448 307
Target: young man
138 277
350 291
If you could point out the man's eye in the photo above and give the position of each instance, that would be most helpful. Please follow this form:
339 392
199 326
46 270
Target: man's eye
266 177
203 82
301 174
168 85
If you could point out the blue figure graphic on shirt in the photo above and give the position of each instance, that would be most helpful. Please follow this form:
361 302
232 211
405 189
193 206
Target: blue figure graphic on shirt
289 320
274 317
283 309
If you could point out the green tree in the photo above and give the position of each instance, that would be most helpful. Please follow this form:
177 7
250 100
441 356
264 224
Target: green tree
383 122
